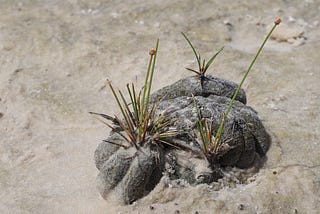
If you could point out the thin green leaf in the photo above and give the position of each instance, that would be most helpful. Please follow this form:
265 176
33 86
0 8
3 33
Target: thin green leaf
166 142
167 135
193 49
134 105
130 134
189 69
128 115
120 106
212 59
117 144
200 63
139 103
145 126
202 68
105 116
113 129
200 127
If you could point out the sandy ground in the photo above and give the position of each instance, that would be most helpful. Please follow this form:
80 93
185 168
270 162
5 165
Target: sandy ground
56 55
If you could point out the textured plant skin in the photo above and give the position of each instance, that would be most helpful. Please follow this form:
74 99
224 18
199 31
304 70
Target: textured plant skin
244 137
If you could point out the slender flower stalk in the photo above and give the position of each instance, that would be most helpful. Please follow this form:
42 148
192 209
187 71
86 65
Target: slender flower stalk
217 139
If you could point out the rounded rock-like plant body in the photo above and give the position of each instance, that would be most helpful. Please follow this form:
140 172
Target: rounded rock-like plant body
132 173
129 173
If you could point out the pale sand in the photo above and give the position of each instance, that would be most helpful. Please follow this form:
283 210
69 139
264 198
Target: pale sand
56 55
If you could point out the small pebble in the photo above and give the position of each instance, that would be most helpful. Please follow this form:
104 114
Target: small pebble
177 212
291 19
228 38
18 70
1 115
227 22
151 207
196 212
274 172
240 207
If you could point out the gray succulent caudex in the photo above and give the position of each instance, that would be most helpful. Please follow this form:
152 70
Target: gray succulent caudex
243 137
156 128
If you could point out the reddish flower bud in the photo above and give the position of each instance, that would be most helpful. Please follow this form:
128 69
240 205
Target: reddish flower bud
277 21
152 52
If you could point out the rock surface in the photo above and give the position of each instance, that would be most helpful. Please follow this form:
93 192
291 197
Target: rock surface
132 173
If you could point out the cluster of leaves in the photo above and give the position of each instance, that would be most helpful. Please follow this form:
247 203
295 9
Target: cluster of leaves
210 142
202 65
140 122
205 131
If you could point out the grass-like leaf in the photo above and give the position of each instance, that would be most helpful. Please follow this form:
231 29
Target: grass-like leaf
211 60
140 123
204 131
194 50
202 65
